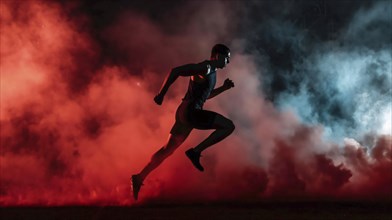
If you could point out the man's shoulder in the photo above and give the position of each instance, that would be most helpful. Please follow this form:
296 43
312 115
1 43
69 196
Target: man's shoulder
205 65
194 68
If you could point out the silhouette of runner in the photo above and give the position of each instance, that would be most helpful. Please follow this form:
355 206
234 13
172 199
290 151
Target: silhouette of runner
190 113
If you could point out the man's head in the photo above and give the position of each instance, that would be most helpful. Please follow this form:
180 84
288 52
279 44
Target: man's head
220 53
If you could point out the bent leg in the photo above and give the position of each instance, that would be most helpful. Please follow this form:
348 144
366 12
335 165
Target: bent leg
223 128
175 140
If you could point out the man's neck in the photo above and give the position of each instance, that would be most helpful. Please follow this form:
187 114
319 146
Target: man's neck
213 64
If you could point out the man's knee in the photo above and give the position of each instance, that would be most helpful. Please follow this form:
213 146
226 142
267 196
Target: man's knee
230 126
176 139
224 123
227 125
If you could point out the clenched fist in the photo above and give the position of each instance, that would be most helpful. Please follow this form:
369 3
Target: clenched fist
158 99
228 84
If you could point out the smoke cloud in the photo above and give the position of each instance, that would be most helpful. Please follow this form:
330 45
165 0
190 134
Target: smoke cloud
329 70
311 105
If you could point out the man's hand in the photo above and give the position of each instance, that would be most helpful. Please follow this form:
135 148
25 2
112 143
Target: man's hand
228 84
158 99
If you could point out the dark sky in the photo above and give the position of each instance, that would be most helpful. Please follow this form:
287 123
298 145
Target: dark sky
321 18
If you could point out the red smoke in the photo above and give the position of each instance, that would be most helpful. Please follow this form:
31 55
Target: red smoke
73 130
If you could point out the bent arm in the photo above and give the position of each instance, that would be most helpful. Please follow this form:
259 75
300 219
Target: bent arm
228 84
217 91
185 70
171 77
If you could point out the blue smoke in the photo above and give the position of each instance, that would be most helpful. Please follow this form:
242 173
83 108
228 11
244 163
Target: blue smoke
341 79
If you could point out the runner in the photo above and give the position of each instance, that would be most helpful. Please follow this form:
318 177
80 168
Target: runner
190 113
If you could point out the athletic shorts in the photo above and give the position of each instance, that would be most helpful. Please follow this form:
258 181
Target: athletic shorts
188 117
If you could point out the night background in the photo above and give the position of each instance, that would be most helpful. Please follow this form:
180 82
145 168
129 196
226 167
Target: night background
312 105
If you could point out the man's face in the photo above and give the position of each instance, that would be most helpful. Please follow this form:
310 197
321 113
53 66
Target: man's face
223 60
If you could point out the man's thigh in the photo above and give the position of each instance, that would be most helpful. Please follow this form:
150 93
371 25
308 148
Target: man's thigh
181 129
204 120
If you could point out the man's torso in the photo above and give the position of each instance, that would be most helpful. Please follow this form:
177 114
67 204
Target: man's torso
200 87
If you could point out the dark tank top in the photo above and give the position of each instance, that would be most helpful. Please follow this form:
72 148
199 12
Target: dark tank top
199 91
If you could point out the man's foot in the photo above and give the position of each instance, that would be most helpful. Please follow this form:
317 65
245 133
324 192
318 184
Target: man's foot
195 158
136 183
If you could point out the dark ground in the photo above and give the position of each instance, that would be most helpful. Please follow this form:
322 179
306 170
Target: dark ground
264 210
